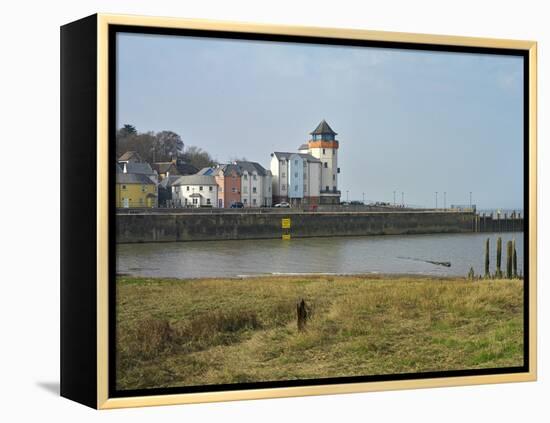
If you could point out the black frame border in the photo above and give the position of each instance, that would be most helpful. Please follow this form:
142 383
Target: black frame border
113 30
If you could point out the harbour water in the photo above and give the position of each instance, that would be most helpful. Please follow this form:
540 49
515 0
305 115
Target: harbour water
337 255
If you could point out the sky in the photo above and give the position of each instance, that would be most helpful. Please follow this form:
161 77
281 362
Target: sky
408 121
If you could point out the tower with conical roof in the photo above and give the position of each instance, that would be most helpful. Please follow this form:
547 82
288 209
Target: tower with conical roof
324 146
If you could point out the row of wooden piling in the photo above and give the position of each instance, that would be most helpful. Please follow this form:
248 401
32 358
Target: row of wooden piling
511 261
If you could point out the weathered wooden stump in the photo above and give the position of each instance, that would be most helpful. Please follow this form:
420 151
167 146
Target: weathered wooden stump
509 259
302 314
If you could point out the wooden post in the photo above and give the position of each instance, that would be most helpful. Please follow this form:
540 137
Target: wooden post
509 255
498 273
515 260
487 272
302 314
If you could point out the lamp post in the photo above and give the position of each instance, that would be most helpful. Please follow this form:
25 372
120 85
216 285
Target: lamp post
470 199
444 200
402 198
436 200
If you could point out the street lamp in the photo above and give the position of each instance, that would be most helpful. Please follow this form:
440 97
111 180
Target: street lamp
445 200
402 198
470 199
436 200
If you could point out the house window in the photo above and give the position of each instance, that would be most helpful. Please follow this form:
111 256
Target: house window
210 189
295 174
326 165
187 188
334 189
194 201
143 188
338 170
254 201
326 188
200 188
245 190
244 201
295 162
233 189
254 177
283 187
333 177
283 175
324 151
245 176
208 201
295 187
254 190
123 186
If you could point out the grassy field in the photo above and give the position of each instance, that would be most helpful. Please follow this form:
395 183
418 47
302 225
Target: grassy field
210 331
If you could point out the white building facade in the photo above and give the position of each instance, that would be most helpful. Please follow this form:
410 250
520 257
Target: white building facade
310 176
296 178
195 191
256 184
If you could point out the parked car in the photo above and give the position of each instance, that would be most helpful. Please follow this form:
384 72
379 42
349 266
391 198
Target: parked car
237 205
284 204
344 203
357 203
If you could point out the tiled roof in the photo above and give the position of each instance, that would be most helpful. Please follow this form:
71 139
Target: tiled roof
195 180
252 167
133 178
142 168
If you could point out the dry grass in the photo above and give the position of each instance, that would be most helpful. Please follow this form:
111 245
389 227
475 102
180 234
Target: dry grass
211 331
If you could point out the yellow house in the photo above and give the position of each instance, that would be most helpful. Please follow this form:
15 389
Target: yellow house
134 190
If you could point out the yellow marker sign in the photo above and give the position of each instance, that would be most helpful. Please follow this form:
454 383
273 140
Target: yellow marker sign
286 236
285 223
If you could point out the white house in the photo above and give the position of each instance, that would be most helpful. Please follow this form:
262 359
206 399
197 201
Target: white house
256 190
296 178
195 191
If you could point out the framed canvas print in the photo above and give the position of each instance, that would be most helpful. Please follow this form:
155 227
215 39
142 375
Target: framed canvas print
256 211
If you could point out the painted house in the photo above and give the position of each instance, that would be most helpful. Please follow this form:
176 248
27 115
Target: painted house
228 178
134 190
256 181
296 178
195 191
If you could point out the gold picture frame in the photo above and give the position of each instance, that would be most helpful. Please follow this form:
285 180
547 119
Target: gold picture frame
98 395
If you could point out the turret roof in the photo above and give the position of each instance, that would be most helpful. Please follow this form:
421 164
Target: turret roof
323 128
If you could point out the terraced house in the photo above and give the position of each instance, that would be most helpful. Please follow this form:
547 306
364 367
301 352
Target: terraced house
256 189
134 190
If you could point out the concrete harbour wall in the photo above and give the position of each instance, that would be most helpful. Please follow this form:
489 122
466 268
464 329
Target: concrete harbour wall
135 228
